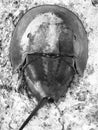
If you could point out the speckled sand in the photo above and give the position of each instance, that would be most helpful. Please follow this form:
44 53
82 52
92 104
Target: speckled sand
79 110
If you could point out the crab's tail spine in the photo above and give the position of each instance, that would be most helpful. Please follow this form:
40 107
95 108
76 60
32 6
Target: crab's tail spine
40 104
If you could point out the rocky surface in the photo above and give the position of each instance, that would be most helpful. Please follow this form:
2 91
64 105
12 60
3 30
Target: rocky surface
79 110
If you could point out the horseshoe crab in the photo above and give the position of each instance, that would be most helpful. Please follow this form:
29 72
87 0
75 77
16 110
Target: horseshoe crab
48 47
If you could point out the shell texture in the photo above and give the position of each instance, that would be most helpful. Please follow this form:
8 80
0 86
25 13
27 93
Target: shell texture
51 43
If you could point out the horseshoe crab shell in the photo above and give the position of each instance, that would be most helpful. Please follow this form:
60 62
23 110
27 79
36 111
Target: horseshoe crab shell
72 41
70 20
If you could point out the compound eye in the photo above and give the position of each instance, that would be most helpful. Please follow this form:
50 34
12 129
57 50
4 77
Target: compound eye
75 37
50 100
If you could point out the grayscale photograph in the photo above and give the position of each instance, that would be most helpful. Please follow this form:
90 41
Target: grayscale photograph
48 64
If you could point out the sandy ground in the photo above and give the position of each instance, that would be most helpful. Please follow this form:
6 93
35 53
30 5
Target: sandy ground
79 110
